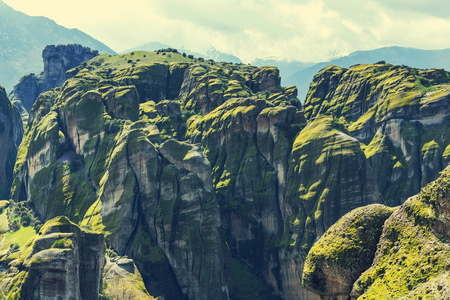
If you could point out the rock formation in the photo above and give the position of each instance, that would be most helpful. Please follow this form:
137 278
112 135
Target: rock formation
221 190
345 251
411 254
57 60
60 262
11 133
398 113
121 280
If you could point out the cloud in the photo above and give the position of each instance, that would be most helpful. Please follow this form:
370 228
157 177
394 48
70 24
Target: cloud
307 30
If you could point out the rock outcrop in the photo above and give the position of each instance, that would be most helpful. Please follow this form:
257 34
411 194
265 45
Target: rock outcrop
11 133
346 250
87 156
411 257
398 113
61 58
280 186
121 280
57 60
60 262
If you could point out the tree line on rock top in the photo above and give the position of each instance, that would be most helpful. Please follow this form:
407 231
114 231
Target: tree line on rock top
230 178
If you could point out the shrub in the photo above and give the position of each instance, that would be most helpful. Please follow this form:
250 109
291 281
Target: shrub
63 243
26 220
13 248
14 225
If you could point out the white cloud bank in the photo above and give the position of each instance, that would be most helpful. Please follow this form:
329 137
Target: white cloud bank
305 30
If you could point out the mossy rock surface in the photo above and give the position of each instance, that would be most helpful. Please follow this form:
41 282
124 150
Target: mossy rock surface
411 257
328 176
61 253
347 249
396 112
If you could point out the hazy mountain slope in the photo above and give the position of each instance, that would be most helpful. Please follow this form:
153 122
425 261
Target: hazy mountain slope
23 37
287 68
210 53
424 59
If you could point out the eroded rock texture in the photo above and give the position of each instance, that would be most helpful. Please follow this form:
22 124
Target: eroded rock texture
60 262
400 114
11 133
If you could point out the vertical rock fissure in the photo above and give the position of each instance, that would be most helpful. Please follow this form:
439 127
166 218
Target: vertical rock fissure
136 201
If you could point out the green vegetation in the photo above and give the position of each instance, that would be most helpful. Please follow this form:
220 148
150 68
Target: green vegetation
63 243
245 285
118 150
322 164
411 258
20 237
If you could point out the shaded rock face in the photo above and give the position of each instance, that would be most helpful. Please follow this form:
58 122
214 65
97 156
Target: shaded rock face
61 262
11 133
61 58
272 211
411 254
57 60
400 114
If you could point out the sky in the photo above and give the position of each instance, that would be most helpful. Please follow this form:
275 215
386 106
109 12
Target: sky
302 30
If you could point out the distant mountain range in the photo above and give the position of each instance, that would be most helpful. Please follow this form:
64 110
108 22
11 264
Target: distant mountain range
287 68
23 37
211 53
417 58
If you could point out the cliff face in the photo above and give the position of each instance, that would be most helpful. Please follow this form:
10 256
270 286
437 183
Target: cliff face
399 114
89 157
219 191
410 260
61 58
11 133
57 60
60 262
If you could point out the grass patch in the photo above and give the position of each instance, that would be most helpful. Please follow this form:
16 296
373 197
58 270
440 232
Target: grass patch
20 237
